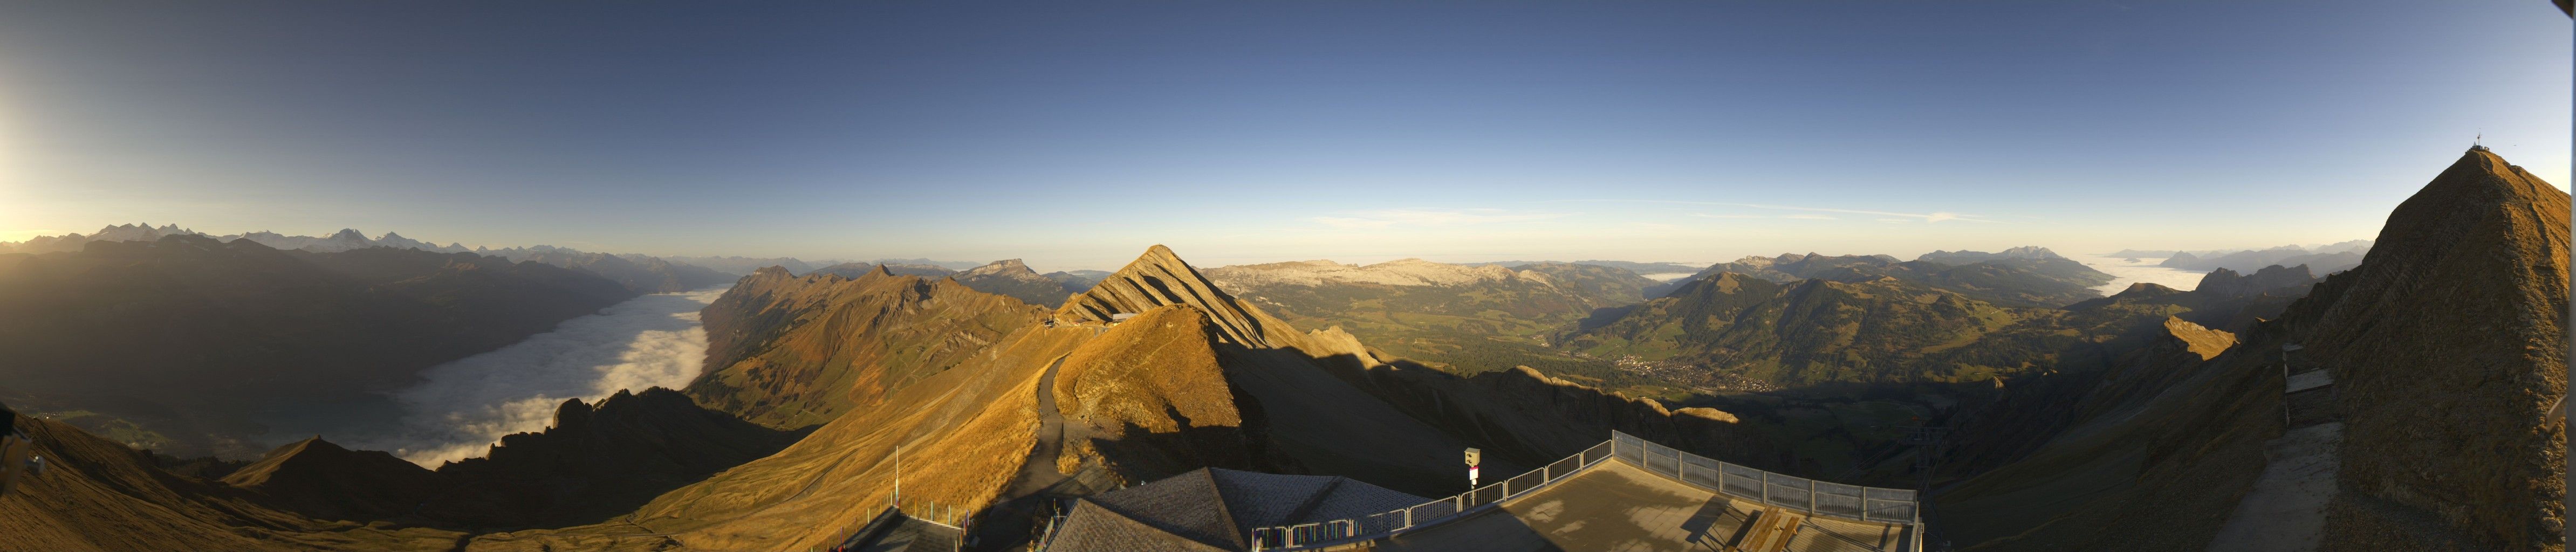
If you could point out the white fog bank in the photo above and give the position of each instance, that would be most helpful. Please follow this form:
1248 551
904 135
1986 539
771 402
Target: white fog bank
2124 273
467 405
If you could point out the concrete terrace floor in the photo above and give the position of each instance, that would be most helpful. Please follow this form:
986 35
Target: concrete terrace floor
1615 506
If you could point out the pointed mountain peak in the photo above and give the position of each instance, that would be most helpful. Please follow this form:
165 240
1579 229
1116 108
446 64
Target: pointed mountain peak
349 234
1158 278
2459 308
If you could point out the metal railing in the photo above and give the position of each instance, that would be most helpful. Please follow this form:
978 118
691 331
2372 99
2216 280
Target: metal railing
1425 514
1817 498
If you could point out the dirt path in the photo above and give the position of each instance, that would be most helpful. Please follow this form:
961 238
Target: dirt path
1039 472
2286 511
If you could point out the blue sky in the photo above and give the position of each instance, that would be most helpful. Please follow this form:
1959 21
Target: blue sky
1074 134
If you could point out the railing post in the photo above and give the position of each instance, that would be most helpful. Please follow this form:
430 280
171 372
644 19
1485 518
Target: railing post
1811 498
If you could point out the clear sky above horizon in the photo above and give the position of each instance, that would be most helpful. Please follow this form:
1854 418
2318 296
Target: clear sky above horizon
1074 134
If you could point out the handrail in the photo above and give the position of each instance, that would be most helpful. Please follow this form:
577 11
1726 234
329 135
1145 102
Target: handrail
1336 531
1816 498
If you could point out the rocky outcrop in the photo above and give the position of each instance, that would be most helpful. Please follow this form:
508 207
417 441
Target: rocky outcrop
1160 278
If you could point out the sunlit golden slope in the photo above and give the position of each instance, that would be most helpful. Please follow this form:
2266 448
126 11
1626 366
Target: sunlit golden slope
789 352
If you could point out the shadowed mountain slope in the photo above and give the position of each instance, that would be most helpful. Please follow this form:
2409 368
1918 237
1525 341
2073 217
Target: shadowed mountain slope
2445 349
101 496
200 340
318 479
2459 313
598 460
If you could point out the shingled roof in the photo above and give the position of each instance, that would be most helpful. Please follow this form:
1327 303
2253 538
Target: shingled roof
1212 509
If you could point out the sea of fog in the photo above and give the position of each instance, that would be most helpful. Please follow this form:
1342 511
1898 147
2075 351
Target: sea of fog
1668 276
2124 273
467 405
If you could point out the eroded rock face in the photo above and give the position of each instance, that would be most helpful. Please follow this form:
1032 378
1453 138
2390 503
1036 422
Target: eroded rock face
1160 278
2447 347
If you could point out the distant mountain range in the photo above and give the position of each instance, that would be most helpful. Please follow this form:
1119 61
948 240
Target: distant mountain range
196 339
2021 276
1631 266
1467 317
641 273
1968 257
2323 261
740 266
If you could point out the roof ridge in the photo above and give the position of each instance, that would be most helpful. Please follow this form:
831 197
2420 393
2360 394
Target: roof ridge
1224 513
1308 507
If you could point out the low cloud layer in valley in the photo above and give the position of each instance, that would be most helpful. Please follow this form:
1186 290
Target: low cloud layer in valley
2124 273
466 405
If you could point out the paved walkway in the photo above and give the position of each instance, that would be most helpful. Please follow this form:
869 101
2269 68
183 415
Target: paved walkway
2286 511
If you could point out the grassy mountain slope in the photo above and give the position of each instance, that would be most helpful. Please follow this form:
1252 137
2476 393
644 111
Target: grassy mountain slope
789 352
